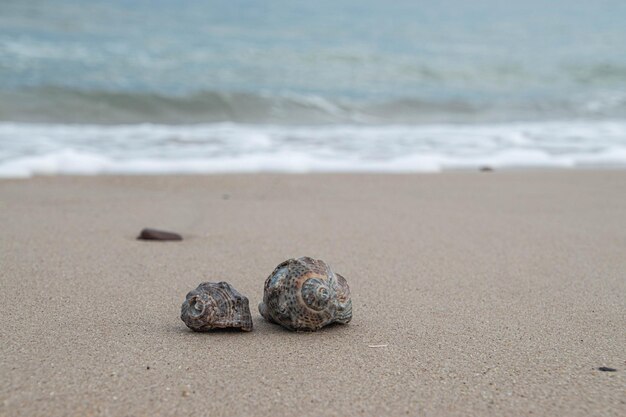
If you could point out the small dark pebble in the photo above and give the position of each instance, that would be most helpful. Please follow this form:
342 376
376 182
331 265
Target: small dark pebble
147 367
486 169
153 234
605 369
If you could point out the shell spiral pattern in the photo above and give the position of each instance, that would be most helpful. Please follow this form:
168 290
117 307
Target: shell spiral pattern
305 294
216 306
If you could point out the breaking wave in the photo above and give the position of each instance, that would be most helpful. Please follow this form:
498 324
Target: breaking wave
55 149
67 105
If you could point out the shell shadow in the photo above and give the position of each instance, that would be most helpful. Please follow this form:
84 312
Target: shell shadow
273 328
186 237
260 326
184 330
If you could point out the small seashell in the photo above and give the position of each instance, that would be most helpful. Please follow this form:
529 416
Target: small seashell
154 234
305 294
216 306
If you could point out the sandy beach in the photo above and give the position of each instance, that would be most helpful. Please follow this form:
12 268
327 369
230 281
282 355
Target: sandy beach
483 294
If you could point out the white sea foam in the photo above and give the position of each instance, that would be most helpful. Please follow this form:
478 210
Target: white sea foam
56 149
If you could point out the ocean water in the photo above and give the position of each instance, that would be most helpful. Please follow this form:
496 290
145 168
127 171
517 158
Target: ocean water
121 86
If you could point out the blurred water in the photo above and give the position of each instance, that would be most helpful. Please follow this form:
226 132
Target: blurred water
447 58
295 63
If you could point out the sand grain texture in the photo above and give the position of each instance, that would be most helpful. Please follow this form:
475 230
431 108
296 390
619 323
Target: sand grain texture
473 294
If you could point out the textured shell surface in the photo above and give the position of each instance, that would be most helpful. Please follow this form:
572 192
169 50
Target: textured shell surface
305 294
216 306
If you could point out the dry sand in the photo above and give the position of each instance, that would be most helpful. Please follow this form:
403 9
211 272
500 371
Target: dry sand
487 294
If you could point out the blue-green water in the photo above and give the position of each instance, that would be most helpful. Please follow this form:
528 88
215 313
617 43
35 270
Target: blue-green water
362 64
403 61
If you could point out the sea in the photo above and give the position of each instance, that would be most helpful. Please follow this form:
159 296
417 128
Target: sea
225 86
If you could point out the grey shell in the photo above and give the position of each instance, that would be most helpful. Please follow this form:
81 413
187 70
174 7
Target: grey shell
305 294
216 306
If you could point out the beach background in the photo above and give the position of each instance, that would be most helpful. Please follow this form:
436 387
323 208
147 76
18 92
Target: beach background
476 292
473 294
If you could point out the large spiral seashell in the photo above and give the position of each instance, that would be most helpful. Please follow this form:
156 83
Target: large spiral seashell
305 294
216 306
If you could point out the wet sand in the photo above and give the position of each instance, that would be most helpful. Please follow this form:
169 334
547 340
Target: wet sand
474 294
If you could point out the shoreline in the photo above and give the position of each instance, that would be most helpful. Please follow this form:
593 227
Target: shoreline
483 170
484 294
226 148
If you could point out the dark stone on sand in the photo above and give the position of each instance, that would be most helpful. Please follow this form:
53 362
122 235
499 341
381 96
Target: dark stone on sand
486 169
153 234
606 369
